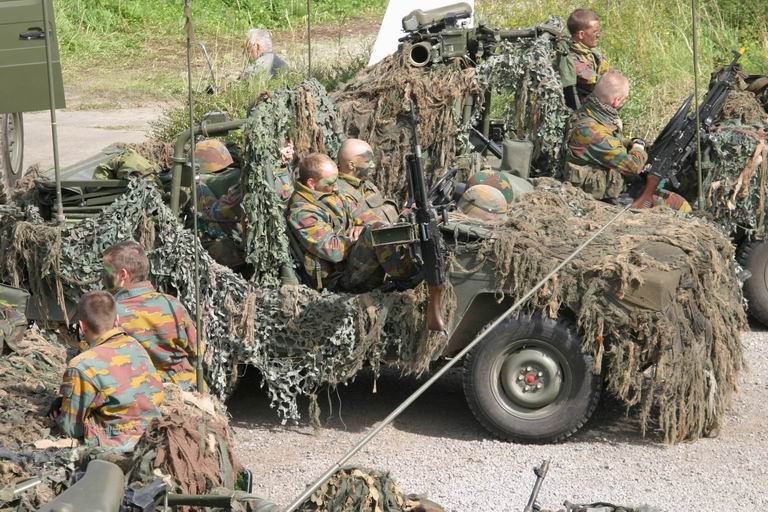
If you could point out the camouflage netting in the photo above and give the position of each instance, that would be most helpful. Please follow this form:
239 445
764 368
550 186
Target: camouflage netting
298 338
189 447
679 365
306 116
735 182
364 490
30 375
374 106
525 75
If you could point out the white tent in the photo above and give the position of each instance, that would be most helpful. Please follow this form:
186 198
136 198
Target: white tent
392 28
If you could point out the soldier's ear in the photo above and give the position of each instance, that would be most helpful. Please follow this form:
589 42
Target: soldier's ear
83 327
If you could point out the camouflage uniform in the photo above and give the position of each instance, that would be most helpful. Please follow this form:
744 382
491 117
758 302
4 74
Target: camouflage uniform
13 321
596 157
589 66
283 182
163 327
320 222
363 195
110 393
219 216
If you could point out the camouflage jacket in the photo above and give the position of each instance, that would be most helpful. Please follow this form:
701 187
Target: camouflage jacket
589 66
110 393
163 327
363 196
283 182
219 216
595 138
321 222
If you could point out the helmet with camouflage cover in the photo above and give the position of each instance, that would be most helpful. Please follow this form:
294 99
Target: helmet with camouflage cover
512 187
212 155
483 202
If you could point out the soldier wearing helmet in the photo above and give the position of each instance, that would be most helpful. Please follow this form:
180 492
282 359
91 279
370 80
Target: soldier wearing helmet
484 202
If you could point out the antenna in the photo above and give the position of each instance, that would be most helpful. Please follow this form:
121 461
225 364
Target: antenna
695 40
198 312
52 108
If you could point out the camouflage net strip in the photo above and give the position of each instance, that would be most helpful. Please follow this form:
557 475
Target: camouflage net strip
190 447
306 116
298 338
30 375
679 365
364 490
525 76
374 106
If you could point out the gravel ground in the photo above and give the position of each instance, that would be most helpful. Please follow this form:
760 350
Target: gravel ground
437 448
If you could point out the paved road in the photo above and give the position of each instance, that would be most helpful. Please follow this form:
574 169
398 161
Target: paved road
82 133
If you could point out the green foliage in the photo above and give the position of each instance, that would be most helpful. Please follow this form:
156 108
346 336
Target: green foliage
235 97
92 31
650 43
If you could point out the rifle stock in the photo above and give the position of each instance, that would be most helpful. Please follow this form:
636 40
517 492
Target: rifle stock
435 320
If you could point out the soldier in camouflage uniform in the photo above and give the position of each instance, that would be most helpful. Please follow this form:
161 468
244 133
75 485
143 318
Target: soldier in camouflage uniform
158 321
337 244
589 64
13 320
599 159
112 391
356 166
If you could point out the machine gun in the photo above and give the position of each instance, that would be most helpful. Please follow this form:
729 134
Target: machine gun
541 473
673 148
429 249
436 36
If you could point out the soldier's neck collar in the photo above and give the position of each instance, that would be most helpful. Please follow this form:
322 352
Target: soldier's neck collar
136 289
352 180
581 48
601 111
106 336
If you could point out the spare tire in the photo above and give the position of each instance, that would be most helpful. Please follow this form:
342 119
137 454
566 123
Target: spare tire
753 256
11 153
529 381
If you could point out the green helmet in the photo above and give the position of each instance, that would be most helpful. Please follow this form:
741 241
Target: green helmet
496 179
483 202
212 155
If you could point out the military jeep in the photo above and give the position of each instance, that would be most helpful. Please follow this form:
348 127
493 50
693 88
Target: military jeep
534 378
24 78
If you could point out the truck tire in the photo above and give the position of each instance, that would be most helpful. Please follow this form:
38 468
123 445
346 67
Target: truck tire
754 257
11 153
529 381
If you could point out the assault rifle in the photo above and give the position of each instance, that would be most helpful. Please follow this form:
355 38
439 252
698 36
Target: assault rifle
540 473
436 36
429 247
673 148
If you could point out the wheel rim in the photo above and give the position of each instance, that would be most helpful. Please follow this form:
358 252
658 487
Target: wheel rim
15 133
529 378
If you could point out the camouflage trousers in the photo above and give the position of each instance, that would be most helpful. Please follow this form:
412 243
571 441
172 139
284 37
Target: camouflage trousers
367 266
598 182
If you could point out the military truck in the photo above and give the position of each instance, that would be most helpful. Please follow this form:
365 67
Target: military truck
30 64
535 378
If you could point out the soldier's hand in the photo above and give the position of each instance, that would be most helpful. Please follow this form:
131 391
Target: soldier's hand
354 233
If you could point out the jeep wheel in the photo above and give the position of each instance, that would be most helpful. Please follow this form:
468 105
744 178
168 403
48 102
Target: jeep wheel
754 257
529 381
11 152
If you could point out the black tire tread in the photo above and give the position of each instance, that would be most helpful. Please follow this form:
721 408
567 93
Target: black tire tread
474 405
754 289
